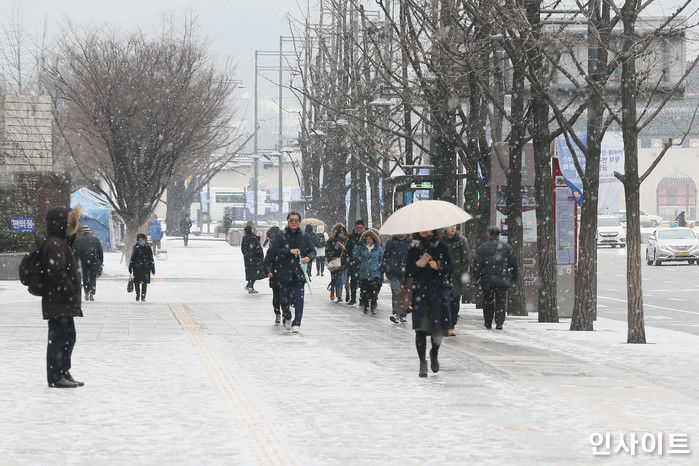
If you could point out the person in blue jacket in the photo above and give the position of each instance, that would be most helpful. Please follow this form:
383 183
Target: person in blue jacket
291 248
369 253
156 234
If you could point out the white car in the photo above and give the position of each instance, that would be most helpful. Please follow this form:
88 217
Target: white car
647 220
610 231
672 244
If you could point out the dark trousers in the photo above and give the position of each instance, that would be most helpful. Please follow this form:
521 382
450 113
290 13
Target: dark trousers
275 299
155 245
185 237
421 343
59 348
353 282
494 299
251 283
454 305
141 289
289 293
320 265
89 280
369 291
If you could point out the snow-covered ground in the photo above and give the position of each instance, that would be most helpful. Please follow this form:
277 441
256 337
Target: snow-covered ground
200 374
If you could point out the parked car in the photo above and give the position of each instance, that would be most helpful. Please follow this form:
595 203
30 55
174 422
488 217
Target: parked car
610 231
672 244
647 220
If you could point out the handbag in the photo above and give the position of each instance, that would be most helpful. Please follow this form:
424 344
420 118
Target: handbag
129 286
335 264
404 305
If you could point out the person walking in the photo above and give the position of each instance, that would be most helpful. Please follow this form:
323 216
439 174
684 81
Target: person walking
334 249
430 266
321 240
141 266
312 238
61 300
185 228
253 256
270 267
156 234
394 267
227 223
89 251
291 248
681 220
495 266
369 253
459 278
353 264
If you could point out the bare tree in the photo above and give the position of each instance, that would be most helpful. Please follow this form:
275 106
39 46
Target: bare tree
137 112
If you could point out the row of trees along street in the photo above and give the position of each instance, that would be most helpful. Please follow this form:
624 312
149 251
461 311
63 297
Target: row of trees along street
139 112
389 85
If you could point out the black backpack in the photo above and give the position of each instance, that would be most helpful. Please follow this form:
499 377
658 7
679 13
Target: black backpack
320 240
31 270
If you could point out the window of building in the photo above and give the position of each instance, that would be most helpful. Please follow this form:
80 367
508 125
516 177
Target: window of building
229 198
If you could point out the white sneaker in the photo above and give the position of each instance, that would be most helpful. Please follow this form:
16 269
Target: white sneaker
287 324
295 329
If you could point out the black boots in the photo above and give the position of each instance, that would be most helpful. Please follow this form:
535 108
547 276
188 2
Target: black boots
423 368
434 363
71 379
63 383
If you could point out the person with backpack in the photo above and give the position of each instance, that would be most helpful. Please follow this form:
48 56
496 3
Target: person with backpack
89 251
156 234
141 266
185 228
458 246
253 257
61 297
321 240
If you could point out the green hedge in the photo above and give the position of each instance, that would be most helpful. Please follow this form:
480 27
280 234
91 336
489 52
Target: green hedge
16 242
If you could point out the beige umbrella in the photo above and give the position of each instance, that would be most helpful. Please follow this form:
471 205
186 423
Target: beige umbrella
312 221
423 216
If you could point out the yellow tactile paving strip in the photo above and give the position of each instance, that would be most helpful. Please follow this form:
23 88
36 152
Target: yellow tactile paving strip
262 441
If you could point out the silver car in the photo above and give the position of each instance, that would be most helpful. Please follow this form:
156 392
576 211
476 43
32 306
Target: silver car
672 244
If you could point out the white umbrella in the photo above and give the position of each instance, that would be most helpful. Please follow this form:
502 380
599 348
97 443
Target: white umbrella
423 216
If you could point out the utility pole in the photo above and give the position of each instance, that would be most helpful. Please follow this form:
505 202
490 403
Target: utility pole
281 134
254 150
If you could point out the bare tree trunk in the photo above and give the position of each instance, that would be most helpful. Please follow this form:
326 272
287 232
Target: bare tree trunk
516 304
375 201
634 281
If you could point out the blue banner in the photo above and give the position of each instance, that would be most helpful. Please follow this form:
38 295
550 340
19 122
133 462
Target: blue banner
22 224
565 161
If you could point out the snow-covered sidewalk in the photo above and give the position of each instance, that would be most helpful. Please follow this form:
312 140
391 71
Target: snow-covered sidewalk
200 373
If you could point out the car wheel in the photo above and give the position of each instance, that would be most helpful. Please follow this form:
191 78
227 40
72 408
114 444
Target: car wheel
648 261
622 245
613 245
657 262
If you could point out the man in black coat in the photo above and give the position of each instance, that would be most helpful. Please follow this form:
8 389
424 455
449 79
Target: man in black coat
61 299
253 256
185 228
354 264
292 248
496 265
89 251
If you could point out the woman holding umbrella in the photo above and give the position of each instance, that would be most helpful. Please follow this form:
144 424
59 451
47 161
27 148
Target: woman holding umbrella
429 264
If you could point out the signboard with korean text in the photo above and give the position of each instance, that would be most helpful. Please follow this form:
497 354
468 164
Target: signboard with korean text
22 224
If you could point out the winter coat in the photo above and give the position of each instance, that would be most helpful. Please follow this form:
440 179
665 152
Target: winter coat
288 264
460 255
369 259
185 225
142 263
431 288
270 262
253 255
495 264
394 257
354 240
62 295
88 249
156 230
